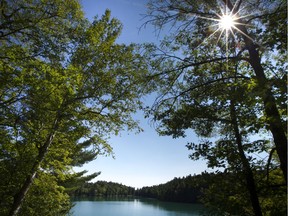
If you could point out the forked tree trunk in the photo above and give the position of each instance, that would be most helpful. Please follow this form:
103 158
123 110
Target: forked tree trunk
273 117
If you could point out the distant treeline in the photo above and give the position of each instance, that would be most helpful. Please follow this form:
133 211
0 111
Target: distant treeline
185 189
103 188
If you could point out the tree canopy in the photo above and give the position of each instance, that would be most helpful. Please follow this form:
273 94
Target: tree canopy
66 86
228 85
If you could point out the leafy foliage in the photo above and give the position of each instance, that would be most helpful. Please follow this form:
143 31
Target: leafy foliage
223 88
66 86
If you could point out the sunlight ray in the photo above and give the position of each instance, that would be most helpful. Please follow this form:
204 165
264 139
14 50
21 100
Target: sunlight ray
228 22
244 34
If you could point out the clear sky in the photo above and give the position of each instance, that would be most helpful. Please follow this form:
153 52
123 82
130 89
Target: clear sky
143 159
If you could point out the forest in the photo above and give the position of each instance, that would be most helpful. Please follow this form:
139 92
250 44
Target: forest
186 189
67 86
103 189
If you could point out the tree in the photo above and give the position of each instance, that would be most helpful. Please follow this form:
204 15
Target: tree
216 110
258 45
65 87
219 92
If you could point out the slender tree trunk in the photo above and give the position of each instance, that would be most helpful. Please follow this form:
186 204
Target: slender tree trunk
250 182
20 196
271 110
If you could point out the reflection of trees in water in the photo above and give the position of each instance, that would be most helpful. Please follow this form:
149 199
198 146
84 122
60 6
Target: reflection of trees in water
172 206
136 206
105 199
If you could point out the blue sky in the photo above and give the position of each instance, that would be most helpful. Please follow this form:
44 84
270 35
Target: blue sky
143 159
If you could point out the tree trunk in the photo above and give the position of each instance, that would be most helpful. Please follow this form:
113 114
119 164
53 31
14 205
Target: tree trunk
250 182
20 196
271 110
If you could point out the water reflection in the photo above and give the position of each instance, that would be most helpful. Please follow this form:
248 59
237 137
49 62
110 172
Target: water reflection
133 206
171 206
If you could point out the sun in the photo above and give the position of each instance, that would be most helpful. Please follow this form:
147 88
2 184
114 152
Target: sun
226 22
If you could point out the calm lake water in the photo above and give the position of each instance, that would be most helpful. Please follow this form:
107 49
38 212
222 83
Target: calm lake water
134 207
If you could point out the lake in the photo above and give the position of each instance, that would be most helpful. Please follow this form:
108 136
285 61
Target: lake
134 207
